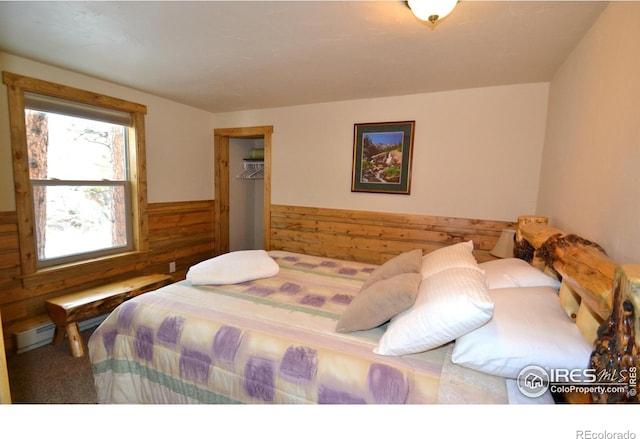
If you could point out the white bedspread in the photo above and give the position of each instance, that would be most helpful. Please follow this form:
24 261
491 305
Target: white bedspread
271 340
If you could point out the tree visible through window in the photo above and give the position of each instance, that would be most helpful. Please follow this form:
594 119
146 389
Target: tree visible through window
78 174
80 179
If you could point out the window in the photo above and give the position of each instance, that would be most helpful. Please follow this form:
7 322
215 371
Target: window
79 173
79 180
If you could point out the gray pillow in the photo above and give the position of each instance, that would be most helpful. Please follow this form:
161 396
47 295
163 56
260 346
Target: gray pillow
377 303
408 262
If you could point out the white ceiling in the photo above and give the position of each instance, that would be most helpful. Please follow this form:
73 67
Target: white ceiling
235 55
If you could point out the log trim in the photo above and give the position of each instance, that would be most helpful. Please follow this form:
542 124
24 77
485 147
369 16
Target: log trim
5 391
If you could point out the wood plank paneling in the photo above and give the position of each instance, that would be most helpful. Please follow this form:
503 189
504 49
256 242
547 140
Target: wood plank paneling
184 233
375 237
180 232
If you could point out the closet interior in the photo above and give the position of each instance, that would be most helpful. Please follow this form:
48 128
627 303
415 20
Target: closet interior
246 193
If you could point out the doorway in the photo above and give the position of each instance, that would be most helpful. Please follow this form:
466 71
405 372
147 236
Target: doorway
221 141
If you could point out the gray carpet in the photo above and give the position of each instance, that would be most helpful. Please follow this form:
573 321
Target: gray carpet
50 375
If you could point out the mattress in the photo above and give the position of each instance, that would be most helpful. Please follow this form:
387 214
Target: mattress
270 341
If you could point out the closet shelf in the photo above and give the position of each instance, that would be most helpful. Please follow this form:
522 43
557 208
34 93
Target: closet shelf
252 170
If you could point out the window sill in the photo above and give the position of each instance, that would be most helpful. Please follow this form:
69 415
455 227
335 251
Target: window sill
77 273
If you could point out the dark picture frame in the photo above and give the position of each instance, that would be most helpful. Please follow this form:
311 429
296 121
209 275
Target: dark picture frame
382 154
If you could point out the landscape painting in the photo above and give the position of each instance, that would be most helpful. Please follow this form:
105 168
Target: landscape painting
382 157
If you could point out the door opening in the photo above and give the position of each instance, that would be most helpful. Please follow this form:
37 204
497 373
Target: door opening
221 180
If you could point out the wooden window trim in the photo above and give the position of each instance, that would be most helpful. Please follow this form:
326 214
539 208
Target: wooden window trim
17 85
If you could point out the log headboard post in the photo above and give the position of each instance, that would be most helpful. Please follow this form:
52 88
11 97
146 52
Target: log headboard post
601 296
586 272
615 357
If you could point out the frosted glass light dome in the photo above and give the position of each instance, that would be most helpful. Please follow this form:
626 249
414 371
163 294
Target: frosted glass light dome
431 10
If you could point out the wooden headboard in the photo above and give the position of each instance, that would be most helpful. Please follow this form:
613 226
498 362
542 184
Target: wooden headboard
597 293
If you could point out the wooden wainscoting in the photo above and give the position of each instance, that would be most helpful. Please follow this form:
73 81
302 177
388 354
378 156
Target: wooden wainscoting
183 232
375 237
180 232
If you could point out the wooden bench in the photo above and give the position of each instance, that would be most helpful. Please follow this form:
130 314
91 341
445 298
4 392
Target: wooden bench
67 310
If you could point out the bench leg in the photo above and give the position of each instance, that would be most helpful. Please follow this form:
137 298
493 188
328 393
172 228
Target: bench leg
75 340
58 335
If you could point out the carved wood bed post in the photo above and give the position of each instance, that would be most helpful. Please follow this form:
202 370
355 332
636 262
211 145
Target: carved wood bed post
616 352
522 248
600 295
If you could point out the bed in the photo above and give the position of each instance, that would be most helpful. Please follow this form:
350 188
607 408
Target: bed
601 297
305 329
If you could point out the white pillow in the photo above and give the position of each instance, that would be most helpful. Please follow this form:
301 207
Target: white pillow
449 304
528 328
514 272
234 267
455 255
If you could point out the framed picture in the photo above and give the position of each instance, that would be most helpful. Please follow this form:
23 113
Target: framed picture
382 157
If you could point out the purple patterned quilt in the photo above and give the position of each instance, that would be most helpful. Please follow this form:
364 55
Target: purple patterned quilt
271 340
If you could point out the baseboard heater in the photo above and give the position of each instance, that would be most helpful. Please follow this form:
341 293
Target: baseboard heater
36 337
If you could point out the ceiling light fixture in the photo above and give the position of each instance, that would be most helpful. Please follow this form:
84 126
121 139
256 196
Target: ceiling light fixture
431 10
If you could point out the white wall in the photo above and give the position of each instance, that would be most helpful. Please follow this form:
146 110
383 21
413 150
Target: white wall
590 177
477 152
179 138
